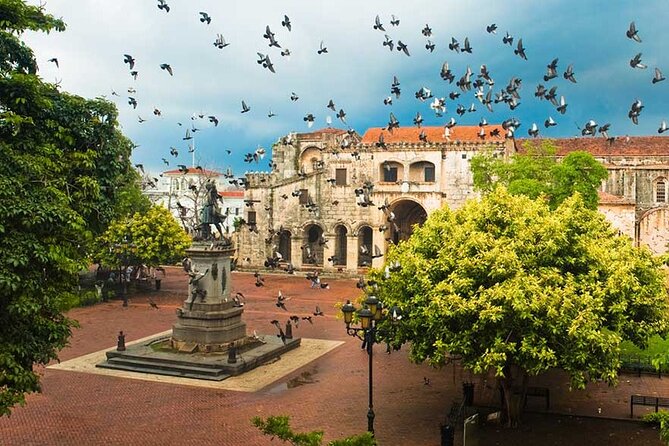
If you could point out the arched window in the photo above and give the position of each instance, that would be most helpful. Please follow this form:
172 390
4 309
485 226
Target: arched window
661 190
284 245
340 245
365 246
312 250
422 171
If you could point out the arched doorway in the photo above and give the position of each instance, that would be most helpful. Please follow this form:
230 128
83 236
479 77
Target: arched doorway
403 215
340 245
312 250
365 246
284 245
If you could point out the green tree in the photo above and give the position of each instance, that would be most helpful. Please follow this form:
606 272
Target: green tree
508 285
279 427
537 172
62 159
156 239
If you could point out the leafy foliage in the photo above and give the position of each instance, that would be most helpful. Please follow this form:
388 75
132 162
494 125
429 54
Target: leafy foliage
155 236
62 159
537 172
508 285
661 419
279 427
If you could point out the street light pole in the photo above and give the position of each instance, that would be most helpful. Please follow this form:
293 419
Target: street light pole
371 333
369 316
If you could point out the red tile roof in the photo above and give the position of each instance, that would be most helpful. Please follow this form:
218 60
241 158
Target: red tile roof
434 134
607 198
598 146
232 194
194 171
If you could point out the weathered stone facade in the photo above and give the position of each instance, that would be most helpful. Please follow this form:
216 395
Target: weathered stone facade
635 195
307 209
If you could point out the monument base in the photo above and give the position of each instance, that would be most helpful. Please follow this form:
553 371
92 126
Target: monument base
156 356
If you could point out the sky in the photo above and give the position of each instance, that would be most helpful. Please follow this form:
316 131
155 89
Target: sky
356 72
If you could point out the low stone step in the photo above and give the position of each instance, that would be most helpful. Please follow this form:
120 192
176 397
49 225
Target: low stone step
156 365
164 372
186 362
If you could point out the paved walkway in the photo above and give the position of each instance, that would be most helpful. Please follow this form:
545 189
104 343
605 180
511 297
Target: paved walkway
328 393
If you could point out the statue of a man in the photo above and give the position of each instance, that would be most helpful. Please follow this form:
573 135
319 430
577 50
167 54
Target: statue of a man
211 213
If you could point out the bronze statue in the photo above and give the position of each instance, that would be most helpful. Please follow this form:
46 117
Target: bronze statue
211 213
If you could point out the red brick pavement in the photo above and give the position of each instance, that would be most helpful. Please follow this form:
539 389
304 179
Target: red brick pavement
88 409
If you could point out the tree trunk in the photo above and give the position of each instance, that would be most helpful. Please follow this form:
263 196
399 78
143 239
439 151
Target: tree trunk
513 402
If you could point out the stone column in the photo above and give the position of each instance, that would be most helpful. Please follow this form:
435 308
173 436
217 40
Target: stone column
208 319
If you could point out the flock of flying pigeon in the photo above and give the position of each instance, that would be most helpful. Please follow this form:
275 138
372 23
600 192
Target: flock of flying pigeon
480 86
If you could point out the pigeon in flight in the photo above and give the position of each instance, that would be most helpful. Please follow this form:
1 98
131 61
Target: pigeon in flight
466 48
551 70
286 23
331 105
167 67
658 77
508 39
132 101
309 119
220 42
204 17
427 31
569 74
318 311
162 4
377 24
294 97
214 120
245 108
491 29
322 49
430 46
388 42
549 122
401 46
663 127
635 62
632 33
393 123
394 21
127 58
54 60
562 108
454 45
520 50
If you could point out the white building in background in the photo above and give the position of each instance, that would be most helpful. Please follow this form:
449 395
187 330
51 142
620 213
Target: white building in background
183 194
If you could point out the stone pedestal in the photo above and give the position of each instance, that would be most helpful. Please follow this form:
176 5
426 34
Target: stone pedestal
208 320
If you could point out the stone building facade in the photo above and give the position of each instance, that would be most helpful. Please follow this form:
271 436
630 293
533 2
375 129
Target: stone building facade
635 196
319 207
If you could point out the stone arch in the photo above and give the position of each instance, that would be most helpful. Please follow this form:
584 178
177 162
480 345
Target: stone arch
340 244
422 172
391 171
312 249
654 229
284 244
309 157
365 245
403 214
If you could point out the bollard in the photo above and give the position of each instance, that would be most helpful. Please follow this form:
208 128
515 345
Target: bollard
120 344
447 435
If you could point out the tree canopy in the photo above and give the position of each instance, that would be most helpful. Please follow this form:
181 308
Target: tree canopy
538 172
62 161
156 236
505 284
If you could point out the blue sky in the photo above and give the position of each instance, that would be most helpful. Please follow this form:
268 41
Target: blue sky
357 71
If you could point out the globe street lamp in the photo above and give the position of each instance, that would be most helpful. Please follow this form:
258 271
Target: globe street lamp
368 316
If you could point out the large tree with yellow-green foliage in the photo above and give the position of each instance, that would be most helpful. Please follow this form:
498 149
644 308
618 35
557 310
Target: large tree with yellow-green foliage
151 238
63 163
510 286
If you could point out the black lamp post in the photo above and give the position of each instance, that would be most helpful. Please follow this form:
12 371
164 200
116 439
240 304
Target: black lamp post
369 316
